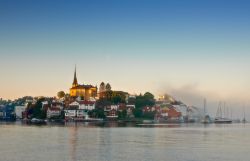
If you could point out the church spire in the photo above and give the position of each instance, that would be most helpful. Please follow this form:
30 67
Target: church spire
75 83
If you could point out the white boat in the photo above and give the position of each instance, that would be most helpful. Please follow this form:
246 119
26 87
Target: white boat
37 121
221 117
222 121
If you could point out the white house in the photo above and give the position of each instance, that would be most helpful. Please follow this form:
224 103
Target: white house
71 113
87 105
130 109
53 112
74 104
82 114
19 110
57 104
83 105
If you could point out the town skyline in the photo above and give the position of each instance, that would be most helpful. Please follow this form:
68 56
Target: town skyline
190 50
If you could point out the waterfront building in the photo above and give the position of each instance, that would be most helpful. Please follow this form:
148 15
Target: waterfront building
182 108
53 112
87 105
130 109
45 105
81 90
168 114
147 109
83 105
57 104
19 111
70 113
81 115
78 110
7 113
111 112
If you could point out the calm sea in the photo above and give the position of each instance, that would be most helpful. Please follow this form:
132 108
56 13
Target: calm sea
112 142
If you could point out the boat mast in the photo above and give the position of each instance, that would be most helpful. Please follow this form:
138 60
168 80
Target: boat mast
244 114
218 111
231 110
205 104
224 112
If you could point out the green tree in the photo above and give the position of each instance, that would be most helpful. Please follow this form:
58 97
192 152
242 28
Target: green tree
142 101
148 95
149 115
108 95
137 112
38 112
108 87
131 100
122 114
118 97
97 113
60 94
101 103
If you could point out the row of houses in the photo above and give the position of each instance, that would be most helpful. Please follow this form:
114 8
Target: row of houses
166 112
79 110
7 113
75 110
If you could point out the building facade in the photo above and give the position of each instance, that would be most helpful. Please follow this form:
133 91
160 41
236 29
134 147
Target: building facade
84 91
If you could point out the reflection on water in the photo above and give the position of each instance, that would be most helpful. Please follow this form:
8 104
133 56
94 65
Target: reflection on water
103 142
73 141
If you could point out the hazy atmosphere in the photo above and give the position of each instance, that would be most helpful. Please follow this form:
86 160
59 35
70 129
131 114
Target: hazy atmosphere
188 49
124 80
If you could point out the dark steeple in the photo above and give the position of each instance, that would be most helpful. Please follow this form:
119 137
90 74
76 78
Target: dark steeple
75 83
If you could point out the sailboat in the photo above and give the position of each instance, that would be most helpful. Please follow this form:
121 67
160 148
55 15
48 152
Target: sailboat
220 116
244 116
206 118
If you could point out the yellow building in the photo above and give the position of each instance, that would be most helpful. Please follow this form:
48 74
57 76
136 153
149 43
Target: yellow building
85 91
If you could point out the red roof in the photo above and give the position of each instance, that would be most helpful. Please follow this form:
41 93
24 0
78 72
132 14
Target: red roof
173 113
54 109
122 106
86 102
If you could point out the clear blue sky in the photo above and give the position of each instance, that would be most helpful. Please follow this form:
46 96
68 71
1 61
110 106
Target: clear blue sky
161 46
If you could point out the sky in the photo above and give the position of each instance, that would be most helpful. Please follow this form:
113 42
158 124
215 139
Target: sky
190 49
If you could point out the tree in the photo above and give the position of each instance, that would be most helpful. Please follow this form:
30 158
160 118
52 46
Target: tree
102 87
60 94
137 112
37 111
108 87
97 113
131 100
148 95
101 103
142 101
118 97
122 114
108 95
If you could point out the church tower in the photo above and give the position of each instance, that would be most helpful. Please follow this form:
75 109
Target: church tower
86 92
75 83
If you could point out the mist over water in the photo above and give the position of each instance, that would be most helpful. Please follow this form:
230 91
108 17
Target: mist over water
193 95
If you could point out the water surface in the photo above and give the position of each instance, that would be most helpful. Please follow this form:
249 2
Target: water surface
86 142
